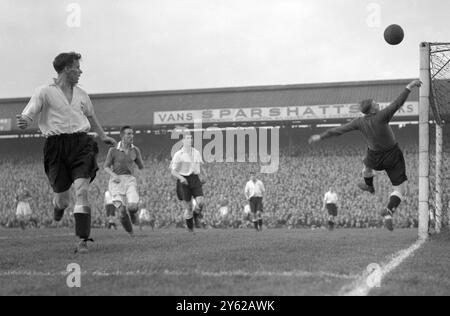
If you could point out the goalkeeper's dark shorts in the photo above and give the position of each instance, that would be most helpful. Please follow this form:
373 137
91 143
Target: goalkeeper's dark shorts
391 161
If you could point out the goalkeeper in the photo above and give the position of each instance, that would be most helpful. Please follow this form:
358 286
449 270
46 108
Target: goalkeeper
383 152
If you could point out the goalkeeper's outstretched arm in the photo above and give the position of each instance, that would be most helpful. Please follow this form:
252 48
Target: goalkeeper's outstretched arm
338 131
388 113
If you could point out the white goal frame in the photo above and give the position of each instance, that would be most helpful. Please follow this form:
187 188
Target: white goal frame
425 104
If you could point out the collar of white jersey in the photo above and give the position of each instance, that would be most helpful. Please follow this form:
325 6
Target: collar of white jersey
119 146
54 82
187 150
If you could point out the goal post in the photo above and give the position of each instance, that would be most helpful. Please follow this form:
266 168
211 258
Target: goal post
434 139
438 179
424 140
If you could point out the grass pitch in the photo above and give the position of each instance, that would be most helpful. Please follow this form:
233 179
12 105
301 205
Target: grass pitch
218 262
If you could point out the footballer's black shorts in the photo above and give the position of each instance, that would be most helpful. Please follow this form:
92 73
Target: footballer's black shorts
68 157
192 190
256 204
392 161
332 209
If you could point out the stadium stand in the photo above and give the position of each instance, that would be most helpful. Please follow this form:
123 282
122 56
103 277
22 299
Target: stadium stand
294 193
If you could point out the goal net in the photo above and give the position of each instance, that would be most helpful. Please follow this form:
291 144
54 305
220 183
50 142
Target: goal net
434 138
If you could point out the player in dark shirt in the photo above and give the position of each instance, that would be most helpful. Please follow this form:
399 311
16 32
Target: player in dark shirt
383 151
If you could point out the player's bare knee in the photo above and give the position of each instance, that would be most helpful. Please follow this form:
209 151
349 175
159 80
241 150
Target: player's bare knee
62 204
400 189
62 200
200 202
81 191
188 206
188 214
367 172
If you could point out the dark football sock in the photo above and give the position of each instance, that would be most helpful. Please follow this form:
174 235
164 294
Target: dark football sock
201 209
133 216
125 220
260 223
394 202
190 223
256 225
369 181
58 213
83 224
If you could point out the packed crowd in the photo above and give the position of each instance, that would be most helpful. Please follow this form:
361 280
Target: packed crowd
294 196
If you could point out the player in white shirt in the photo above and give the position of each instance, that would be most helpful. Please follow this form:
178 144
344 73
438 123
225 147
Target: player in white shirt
254 190
330 203
65 115
186 167
23 211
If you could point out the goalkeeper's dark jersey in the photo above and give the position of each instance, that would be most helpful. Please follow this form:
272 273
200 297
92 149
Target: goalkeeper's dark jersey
374 127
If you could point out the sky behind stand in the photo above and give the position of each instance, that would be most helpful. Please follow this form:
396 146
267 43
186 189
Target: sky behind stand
131 45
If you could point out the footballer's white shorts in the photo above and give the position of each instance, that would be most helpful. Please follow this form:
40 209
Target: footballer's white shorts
108 198
125 189
23 209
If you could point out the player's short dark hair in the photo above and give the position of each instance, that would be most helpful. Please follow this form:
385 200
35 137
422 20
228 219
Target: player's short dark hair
365 106
64 60
123 128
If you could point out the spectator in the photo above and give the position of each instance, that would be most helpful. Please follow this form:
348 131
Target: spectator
293 197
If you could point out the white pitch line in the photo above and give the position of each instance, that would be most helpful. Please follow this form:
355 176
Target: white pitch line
214 274
34 237
219 274
361 286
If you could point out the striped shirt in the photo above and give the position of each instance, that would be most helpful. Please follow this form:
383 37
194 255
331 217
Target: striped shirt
56 115
187 162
